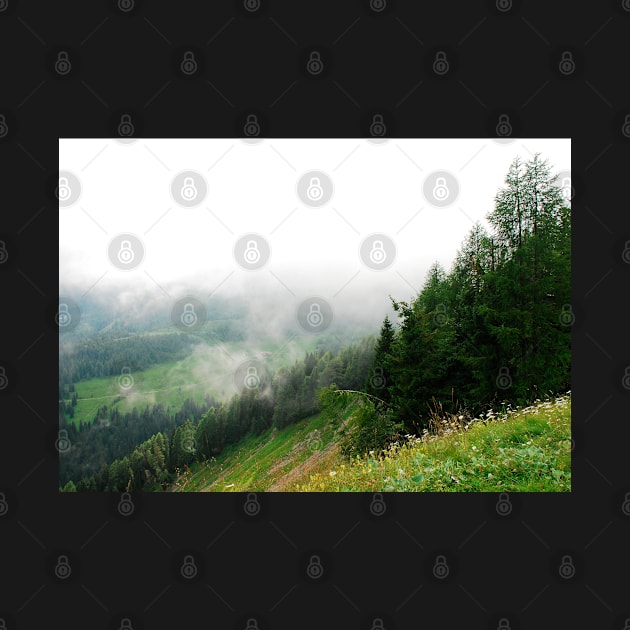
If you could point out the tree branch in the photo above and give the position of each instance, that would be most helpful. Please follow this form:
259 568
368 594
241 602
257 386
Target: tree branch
354 391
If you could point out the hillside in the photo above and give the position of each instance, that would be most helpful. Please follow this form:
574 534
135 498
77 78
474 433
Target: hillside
522 450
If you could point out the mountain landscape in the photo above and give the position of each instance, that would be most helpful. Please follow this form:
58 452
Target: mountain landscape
463 385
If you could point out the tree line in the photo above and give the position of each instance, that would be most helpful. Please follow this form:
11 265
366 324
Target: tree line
146 450
495 329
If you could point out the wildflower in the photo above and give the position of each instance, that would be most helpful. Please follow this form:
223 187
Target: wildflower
474 448
461 417
332 473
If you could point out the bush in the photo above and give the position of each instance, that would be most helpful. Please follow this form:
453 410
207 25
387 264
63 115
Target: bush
370 424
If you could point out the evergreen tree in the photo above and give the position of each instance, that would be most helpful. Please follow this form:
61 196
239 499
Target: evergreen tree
379 378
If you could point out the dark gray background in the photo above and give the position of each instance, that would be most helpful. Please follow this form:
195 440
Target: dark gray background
255 62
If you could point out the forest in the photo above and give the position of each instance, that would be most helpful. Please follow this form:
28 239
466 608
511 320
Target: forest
493 330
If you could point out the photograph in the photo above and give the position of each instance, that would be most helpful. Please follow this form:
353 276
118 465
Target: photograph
315 315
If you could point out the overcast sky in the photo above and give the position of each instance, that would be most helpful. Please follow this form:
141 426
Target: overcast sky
315 243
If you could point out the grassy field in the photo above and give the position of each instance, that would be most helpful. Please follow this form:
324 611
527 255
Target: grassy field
525 450
207 370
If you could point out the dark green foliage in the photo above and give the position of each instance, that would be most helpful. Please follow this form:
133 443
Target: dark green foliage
296 388
492 329
371 426
379 378
195 433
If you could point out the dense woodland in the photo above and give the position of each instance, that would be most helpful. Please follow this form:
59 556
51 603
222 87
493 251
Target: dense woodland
494 329
173 440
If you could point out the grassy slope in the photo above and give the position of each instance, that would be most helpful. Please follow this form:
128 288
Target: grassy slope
522 451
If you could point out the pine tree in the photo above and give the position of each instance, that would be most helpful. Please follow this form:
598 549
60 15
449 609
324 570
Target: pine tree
379 378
